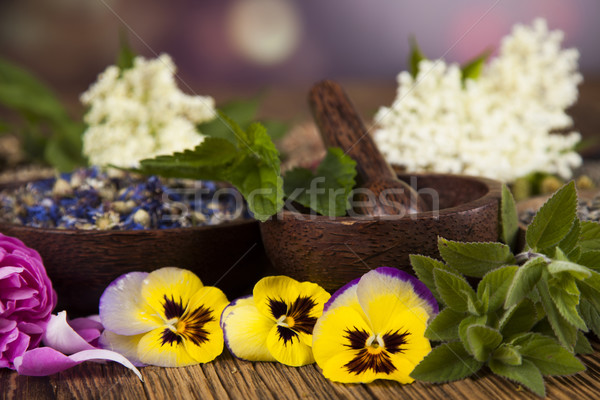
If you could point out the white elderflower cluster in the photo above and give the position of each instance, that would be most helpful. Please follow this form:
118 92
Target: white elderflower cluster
140 113
500 125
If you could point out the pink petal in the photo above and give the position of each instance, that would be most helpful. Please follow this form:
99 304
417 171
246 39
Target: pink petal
9 271
91 322
60 336
45 361
17 347
7 325
18 293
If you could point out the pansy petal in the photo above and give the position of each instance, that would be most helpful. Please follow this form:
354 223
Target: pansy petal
331 332
122 310
200 325
287 348
211 298
245 330
155 348
242 301
404 367
273 293
44 361
125 345
168 290
417 347
335 369
60 336
344 296
384 290
211 348
413 320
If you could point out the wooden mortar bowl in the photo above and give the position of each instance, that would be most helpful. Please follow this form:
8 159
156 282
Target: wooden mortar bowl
82 263
334 251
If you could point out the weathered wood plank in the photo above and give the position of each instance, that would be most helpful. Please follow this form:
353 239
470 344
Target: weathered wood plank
229 378
92 381
13 386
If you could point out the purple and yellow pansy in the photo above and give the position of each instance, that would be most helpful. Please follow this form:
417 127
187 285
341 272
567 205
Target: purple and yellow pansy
166 318
374 328
275 323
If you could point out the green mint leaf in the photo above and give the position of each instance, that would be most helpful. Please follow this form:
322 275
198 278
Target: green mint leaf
509 219
473 68
590 259
590 289
583 346
261 186
589 238
416 56
475 306
332 184
565 332
518 319
565 295
553 221
547 355
577 271
497 283
474 259
524 281
453 289
464 325
423 267
575 254
240 111
568 244
251 165
126 57
445 325
482 341
590 315
527 374
508 355
445 363
209 160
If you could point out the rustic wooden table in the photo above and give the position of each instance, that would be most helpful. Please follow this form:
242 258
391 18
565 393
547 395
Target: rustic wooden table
229 378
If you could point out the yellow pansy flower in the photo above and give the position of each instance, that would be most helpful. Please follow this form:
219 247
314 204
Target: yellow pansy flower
276 322
374 328
166 318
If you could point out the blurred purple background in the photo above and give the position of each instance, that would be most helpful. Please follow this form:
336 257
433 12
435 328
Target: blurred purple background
217 44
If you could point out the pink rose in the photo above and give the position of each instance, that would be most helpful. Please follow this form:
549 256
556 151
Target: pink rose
26 299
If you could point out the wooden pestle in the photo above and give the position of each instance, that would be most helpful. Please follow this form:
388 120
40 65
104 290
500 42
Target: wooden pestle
341 126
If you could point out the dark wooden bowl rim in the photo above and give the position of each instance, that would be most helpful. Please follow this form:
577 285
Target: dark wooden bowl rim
493 190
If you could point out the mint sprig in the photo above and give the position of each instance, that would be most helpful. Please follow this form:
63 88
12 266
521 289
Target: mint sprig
251 164
328 190
527 316
247 158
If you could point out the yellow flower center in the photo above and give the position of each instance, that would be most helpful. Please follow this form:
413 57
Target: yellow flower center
285 321
374 344
185 324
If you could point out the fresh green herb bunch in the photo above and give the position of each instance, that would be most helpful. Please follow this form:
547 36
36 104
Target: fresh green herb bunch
527 317
248 159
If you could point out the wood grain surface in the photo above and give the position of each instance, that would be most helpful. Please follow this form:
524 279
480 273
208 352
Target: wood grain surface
230 378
